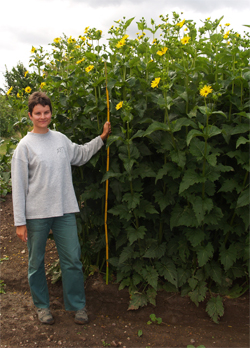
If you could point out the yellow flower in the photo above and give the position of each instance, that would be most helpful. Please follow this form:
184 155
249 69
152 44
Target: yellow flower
89 68
208 18
155 82
42 84
33 50
28 89
57 39
86 30
120 43
9 91
162 51
82 38
205 91
185 40
80 61
237 35
227 24
25 74
119 105
18 95
226 35
181 23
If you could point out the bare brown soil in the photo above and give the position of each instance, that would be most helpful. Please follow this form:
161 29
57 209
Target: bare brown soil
111 324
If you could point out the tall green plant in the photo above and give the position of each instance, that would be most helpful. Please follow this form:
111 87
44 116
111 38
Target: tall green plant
179 159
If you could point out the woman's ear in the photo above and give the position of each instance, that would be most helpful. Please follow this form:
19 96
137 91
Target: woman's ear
30 116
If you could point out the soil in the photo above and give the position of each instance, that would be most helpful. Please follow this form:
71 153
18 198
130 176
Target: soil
111 324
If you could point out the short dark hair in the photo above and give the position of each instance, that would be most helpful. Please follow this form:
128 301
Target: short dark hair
38 98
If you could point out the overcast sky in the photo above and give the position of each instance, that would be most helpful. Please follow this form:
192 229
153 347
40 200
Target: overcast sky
27 23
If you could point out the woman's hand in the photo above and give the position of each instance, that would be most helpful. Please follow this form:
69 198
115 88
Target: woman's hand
106 130
21 232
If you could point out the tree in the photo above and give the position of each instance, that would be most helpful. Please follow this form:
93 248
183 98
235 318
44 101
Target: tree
18 78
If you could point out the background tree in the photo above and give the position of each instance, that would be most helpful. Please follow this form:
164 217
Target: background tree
18 78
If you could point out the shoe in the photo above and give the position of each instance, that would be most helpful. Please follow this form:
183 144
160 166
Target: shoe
44 316
81 317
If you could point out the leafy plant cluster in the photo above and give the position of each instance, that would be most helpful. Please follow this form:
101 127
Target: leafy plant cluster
5 168
179 153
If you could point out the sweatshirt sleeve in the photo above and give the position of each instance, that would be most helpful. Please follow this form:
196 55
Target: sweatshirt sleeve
19 178
81 154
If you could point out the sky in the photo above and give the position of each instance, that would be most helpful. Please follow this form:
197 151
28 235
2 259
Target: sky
27 23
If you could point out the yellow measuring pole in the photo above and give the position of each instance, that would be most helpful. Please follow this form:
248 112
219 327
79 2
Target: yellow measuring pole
107 186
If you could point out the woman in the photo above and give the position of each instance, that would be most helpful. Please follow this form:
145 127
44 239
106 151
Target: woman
44 200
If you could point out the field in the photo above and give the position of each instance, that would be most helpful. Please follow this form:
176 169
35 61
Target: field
111 324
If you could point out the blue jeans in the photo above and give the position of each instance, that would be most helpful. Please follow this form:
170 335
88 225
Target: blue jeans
65 234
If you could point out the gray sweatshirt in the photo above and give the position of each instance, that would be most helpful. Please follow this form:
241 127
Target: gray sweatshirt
41 175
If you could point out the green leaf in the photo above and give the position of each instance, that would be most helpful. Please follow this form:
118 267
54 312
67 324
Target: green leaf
228 256
128 163
204 253
195 236
126 254
244 198
151 295
137 300
179 123
201 206
182 276
241 141
92 191
193 112
110 174
229 185
215 308
137 278
139 333
214 216
144 171
182 216
155 126
178 157
190 178
197 148
214 271
151 276
193 282
219 113
211 131
192 134
112 139
132 199
122 211
136 234
155 250
167 269
241 128
212 159
163 200
205 110
147 207
199 294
